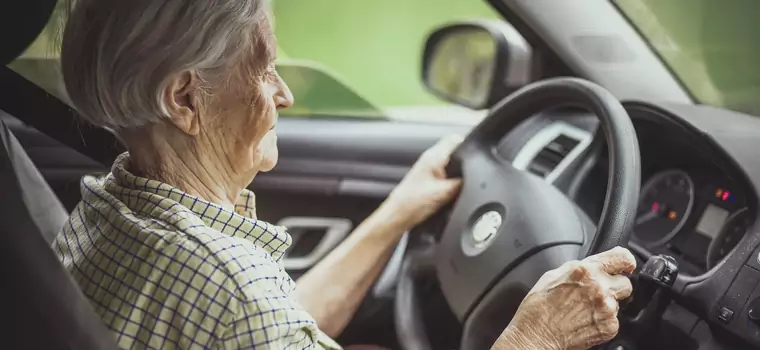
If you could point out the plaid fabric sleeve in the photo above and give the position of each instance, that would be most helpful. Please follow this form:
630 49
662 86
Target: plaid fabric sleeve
267 324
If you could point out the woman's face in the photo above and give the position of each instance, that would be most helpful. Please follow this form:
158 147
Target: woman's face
243 116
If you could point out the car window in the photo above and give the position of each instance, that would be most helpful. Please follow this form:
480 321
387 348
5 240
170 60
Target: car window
712 46
340 58
39 63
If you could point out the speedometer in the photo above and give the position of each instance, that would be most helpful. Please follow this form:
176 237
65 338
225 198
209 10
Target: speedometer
733 231
665 204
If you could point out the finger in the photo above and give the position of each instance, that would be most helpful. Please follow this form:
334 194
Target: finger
612 306
441 151
619 287
602 331
451 141
608 329
450 188
615 261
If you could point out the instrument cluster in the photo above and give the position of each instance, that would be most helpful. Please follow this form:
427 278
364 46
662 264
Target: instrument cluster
695 217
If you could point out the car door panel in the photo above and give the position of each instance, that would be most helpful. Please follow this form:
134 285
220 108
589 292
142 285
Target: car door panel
338 169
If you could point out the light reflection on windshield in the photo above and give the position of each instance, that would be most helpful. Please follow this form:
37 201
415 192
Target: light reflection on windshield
712 46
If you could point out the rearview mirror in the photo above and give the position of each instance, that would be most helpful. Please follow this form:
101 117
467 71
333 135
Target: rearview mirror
476 64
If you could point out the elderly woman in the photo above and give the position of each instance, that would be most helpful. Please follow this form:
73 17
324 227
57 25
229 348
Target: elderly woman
167 246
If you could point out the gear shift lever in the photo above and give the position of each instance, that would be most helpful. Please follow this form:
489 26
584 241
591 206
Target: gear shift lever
655 280
660 269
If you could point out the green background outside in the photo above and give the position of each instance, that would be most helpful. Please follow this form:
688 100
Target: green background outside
338 56
375 45
347 57
712 45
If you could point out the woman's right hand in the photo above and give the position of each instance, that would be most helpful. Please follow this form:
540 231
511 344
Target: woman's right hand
574 306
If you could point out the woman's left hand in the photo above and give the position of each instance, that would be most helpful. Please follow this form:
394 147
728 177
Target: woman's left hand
425 188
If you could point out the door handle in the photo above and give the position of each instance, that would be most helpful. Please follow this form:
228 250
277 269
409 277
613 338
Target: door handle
335 229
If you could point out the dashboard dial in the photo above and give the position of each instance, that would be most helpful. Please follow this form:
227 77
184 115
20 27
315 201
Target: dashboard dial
733 231
665 204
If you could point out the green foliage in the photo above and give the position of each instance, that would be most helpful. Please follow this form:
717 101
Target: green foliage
374 46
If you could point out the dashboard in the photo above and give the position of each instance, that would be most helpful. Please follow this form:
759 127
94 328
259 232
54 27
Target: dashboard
698 203
694 203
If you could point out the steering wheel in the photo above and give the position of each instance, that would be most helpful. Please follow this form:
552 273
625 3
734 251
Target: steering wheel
508 227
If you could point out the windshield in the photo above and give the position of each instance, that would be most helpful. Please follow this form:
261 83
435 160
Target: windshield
712 46
340 58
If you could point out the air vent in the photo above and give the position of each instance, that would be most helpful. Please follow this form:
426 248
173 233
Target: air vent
551 155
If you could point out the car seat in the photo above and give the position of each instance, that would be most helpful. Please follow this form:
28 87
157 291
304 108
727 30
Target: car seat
44 307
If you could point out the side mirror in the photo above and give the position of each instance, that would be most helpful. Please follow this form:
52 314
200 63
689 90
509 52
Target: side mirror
476 64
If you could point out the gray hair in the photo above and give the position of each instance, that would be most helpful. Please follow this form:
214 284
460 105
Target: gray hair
117 57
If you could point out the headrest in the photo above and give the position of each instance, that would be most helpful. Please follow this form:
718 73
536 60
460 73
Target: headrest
21 21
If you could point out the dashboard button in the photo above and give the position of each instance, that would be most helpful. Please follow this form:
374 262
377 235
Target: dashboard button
726 315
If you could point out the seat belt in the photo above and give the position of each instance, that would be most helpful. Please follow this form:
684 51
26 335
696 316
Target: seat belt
37 108
43 307
46 210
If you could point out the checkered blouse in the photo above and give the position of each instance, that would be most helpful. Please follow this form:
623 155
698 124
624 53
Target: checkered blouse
168 270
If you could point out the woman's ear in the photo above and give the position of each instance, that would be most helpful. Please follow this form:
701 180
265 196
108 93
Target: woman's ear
182 99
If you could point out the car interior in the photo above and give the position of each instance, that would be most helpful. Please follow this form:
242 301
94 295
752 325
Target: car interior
571 159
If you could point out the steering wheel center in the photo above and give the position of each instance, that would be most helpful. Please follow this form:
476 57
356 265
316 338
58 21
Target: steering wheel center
486 227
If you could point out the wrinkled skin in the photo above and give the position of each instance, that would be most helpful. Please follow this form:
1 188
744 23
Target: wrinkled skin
574 306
